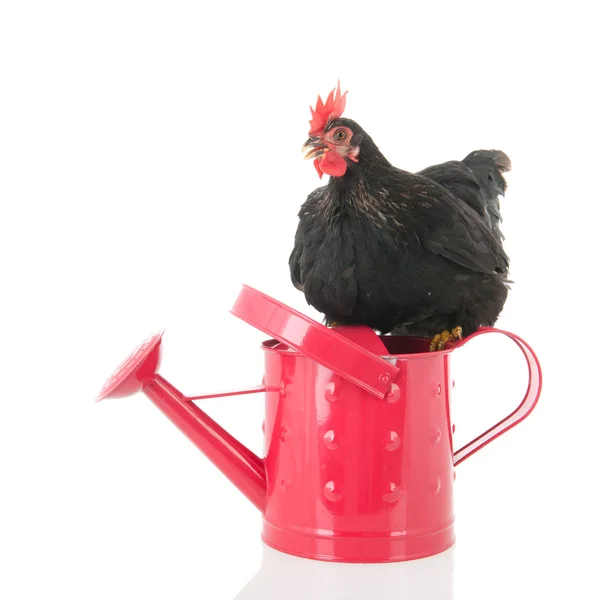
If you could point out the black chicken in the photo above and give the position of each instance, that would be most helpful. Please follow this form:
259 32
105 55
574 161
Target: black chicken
417 253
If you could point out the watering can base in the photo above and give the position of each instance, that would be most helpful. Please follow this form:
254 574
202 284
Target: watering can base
360 548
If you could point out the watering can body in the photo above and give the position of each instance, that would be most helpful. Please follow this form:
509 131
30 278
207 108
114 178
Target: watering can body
359 461
353 477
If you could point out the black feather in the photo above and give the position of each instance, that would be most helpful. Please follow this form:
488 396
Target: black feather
476 180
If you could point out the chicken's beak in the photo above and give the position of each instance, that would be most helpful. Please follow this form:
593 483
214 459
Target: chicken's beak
314 147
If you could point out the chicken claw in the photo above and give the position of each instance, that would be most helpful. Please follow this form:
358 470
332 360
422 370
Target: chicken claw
440 340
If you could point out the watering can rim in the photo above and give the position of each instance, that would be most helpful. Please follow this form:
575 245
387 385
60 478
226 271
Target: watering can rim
408 355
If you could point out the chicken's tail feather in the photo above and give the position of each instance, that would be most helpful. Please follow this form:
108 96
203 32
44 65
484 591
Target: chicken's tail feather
488 167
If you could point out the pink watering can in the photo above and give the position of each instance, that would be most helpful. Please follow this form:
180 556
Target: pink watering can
359 462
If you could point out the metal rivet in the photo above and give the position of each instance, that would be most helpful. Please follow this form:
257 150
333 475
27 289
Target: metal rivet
437 436
385 379
285 433
284 484
330 441
439 389
437 486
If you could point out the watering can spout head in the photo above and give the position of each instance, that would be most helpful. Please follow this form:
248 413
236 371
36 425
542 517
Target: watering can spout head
135 372
138 373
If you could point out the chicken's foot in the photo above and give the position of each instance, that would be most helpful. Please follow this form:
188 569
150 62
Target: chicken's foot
440 340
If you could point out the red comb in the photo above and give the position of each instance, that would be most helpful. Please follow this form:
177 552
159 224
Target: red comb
331 109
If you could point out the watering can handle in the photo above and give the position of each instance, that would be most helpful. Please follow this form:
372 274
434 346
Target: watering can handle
322 344
523 410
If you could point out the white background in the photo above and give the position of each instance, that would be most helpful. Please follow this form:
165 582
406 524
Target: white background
150 163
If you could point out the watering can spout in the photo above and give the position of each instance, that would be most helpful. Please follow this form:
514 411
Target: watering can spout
239 464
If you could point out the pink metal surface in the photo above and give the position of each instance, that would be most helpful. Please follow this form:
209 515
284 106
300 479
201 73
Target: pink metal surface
241 466
352 477
359 462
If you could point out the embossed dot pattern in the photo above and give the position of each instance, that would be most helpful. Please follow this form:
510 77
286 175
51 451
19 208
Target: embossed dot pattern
393 494
331 492
330 440
393 442
393 394
331 392
128 365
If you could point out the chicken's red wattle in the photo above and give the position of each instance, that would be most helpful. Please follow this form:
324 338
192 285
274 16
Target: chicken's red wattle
332 164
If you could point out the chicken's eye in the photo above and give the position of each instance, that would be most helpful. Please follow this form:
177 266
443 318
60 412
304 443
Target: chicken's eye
339 135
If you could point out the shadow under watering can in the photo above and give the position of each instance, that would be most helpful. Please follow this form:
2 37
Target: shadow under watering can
359 460
283 576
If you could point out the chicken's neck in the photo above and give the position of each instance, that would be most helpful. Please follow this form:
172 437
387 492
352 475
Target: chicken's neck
365 187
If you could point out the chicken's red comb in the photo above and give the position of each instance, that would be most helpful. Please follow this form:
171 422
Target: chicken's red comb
331 109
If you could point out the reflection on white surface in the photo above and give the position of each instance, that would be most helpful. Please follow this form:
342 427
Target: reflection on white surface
289 577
